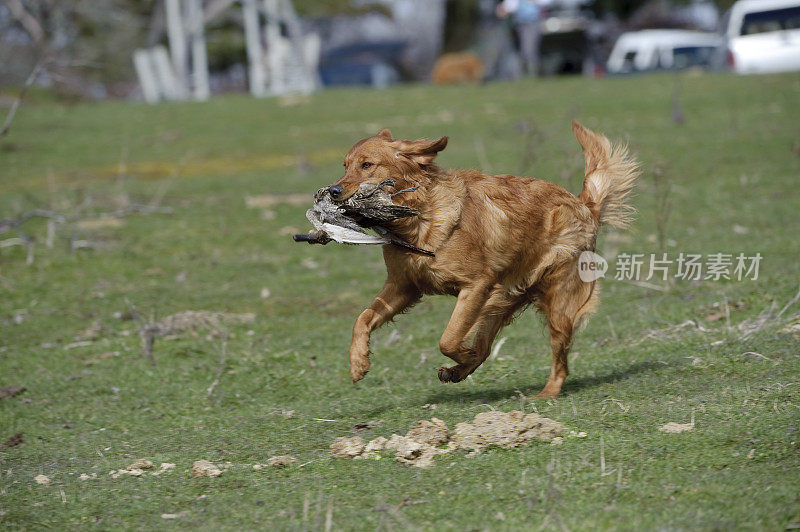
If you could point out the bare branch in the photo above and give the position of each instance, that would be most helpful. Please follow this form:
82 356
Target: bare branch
27 20
37 69
10 224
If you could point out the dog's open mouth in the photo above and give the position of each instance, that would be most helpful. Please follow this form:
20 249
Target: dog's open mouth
370 207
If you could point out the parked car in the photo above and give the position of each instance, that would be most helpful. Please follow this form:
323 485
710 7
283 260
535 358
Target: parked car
362 63
763 36
648 50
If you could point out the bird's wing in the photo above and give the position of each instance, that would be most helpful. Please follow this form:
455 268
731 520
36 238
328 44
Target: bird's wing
343 235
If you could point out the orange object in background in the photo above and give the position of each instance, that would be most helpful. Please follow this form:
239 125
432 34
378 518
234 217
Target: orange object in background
457 69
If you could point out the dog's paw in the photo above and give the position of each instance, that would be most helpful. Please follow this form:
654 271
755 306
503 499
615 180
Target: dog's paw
547 394
450 374
358 371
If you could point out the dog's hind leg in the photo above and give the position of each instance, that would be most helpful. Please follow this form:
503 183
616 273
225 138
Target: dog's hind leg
565 304
393 298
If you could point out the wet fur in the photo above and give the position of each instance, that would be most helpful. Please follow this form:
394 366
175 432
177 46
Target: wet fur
501 243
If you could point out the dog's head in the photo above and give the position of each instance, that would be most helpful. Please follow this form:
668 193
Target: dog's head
375 159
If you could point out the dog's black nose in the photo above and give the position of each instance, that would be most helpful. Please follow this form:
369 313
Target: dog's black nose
335 190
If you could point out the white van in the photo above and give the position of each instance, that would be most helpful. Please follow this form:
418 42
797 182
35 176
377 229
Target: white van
648 50
763 36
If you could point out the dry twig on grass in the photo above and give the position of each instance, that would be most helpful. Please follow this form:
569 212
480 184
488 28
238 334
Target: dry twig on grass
15 224
54 217
223 360
751 326
11 224
789 304
187 321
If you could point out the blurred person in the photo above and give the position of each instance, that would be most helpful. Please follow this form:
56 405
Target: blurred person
527 16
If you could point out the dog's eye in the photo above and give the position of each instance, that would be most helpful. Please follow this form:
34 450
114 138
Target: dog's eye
364 166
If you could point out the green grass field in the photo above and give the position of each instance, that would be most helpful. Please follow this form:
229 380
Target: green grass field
726 181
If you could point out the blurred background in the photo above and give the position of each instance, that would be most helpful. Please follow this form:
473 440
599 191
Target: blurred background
181 49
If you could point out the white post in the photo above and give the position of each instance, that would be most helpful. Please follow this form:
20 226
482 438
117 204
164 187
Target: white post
200 86
177 41
166 75
302 47
312 44
255 48
273 32
147 77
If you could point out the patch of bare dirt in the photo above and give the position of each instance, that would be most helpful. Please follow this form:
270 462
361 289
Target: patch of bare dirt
165 466
505 430
426 439
10 391
676 428
13 441
433 432
414 453
191 320
204 468
137 469
141 464
281 461
344 447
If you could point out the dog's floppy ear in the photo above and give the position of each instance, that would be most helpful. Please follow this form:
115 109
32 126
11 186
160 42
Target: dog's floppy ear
422 151
385 133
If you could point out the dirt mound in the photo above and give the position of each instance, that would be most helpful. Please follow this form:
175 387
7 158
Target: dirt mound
345 447
676 428
505 429
281 461
204 468
140 464
424 441
433 432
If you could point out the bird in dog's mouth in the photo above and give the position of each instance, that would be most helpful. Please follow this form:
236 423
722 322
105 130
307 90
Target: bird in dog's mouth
370 207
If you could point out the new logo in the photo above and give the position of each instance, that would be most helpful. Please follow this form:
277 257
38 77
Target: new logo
591 266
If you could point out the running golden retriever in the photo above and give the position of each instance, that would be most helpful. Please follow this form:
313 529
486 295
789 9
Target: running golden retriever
501 243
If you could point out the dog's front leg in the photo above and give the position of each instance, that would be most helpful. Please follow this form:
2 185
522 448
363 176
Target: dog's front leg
470 302
393 298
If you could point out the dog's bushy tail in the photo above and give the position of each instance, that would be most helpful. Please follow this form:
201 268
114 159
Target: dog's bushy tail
610 176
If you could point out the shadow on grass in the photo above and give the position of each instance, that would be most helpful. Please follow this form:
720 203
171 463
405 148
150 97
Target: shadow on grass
529 389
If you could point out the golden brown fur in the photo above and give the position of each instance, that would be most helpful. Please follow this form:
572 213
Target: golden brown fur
501 243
